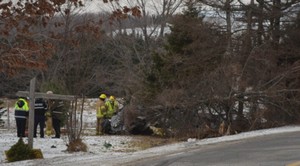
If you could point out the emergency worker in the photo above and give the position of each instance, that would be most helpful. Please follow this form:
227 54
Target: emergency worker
101 111
57 110
112 107
40 108
21 114
58 114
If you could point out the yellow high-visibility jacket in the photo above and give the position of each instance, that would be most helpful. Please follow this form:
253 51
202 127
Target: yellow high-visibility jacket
21 109
112 108
101 109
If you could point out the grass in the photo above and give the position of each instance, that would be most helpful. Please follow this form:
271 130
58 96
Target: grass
145 142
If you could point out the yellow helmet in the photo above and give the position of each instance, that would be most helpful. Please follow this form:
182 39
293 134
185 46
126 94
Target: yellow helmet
102 96
112 98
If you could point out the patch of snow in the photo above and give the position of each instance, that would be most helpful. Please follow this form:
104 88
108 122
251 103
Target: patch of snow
120 148
118 152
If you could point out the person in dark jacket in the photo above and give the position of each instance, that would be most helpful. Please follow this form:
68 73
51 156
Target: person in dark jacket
57 109
40 108
21 114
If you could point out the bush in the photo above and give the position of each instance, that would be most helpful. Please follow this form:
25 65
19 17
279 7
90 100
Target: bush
37 153
21 151
77 146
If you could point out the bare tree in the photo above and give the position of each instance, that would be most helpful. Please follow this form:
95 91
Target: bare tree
228 8
155 14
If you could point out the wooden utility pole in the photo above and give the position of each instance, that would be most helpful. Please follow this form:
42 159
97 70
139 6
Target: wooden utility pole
31 112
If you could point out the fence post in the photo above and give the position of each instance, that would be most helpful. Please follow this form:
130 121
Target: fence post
31 112
8 115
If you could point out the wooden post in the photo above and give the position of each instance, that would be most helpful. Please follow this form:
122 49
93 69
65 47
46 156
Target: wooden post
46 96
8 115
31 112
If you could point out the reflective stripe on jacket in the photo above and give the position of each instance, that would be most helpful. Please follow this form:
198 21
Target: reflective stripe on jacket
40 107
21 112
58 110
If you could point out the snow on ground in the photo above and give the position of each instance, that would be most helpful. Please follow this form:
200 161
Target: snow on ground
120 150
110 150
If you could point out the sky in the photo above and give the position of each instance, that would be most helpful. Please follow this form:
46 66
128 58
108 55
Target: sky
98 5
121 149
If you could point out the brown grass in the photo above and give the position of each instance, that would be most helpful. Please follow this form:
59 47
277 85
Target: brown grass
77 146
145 142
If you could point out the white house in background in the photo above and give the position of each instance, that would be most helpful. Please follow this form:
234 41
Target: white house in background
151 31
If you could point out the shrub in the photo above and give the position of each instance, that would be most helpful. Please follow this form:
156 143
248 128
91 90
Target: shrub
76 146
21 151
37 153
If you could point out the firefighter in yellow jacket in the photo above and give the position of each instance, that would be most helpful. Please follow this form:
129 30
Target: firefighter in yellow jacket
112 107
101 113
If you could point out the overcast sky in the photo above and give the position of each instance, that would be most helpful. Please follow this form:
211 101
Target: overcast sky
99 6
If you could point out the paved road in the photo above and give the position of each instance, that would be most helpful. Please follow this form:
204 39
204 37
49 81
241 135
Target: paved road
271 150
